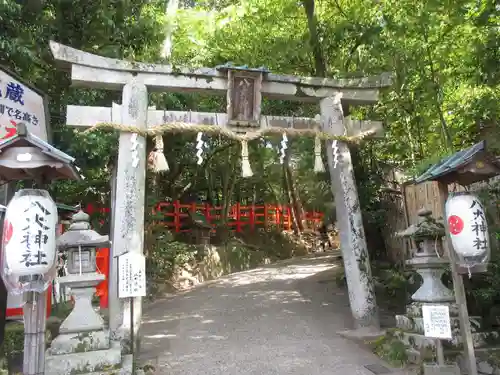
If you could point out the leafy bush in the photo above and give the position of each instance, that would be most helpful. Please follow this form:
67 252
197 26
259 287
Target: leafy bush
62 310
273 241
13 343
391 348
394 285
164 257
13 346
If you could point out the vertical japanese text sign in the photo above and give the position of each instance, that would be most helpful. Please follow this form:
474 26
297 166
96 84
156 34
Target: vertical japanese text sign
131 275
29 236
468 227
20 103
437 323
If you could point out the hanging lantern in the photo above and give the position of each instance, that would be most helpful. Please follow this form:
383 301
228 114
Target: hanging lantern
29 242
468 229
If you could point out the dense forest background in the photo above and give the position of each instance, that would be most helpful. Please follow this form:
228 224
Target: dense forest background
444 56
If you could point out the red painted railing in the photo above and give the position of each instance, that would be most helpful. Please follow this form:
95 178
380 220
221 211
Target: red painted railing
175 215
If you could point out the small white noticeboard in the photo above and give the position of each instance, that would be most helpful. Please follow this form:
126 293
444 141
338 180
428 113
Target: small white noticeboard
131 275
437 322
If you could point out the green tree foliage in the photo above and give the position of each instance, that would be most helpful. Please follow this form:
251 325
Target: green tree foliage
112 28
444 56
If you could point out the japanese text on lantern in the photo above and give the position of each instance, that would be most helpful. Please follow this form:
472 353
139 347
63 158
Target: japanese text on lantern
478 226
19 103
35 235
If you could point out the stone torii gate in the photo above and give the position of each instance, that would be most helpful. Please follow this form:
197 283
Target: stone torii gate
135 79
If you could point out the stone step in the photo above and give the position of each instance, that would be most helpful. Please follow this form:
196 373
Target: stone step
125 369
79 343
480 339
98 361
434 369
483 359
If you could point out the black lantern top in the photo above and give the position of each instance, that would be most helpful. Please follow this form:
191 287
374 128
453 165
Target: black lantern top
80 234
465 167
27 157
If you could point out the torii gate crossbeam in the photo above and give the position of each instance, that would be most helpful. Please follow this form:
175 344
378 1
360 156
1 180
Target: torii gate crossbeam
89 70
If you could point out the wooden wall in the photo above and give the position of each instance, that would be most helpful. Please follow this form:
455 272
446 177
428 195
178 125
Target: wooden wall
427 195
422 195
393 205
402 208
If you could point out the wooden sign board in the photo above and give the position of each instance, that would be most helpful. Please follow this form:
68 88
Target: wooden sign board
244 98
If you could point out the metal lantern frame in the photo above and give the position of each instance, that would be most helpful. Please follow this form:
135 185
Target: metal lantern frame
27 157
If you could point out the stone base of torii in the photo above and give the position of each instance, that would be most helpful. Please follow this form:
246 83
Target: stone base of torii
135 79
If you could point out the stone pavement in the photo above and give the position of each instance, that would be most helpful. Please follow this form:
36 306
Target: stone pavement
278 319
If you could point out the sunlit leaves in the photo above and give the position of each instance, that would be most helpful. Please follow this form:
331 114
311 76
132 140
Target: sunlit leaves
444 55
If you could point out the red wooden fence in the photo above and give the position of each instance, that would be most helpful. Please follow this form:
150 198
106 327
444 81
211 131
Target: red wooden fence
175 215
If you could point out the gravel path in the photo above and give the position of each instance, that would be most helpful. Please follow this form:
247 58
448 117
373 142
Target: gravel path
279 319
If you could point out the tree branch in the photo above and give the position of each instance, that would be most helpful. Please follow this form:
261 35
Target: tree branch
340 9
438 102
312 23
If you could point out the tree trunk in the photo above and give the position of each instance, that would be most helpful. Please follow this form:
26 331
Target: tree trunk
438 97
286 180
170 14
289 188
312 23
276 195
210 187
228 184
225 198
296 202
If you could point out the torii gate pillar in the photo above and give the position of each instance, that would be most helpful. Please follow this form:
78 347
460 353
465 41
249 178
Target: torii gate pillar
128 220
352 237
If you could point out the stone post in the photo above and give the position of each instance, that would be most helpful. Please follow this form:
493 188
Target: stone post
128 218
352 236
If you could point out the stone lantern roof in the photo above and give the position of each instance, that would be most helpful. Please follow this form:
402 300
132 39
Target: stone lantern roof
427 227
80 234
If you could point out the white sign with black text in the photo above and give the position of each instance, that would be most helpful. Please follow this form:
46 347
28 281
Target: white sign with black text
437 322
19 103
132 275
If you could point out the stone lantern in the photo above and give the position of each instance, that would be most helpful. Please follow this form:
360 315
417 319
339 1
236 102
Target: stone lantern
430 265
427 261
83 344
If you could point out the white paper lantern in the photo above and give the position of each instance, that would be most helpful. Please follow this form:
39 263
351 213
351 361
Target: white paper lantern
29 241
467 226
